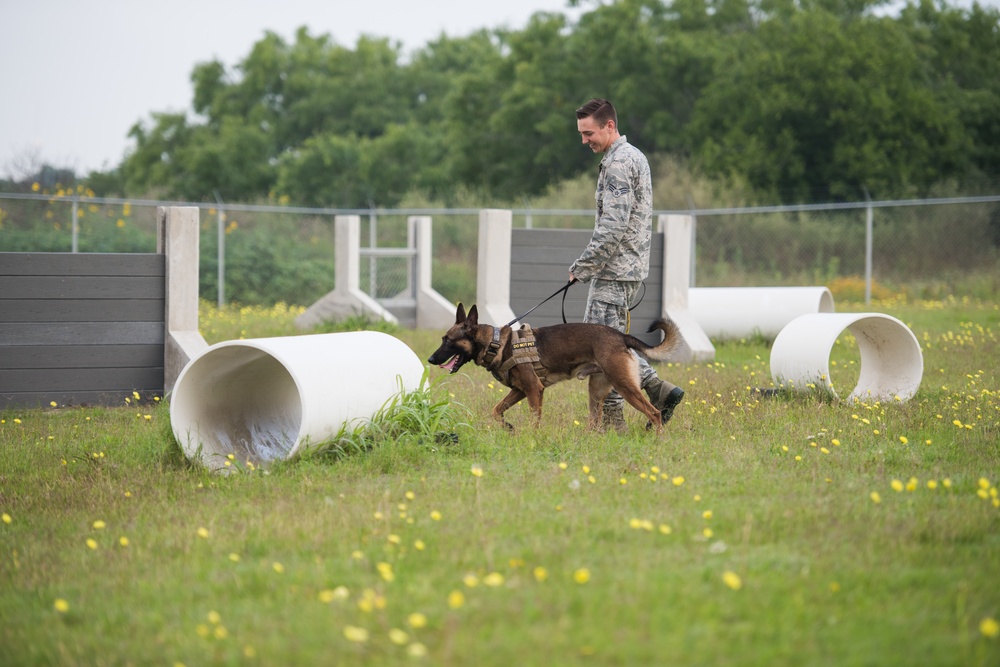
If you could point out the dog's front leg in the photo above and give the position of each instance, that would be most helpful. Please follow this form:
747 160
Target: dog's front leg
535 394
511 399
524 378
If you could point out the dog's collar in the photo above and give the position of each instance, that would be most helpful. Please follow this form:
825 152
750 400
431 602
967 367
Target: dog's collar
491 351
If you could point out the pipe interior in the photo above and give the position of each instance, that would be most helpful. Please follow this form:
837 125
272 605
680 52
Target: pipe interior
244 402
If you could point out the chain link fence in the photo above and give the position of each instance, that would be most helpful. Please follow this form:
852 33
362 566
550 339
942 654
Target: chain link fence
266 254
929 248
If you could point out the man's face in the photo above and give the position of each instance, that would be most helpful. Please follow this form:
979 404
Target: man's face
598 138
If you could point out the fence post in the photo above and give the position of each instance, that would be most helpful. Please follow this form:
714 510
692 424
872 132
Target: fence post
693 212
221 253
869 219
493 266
346 298
372 243
76 227
678 238
177 238
433 310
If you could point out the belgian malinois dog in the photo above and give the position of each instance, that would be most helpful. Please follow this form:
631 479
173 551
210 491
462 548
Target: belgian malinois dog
555 353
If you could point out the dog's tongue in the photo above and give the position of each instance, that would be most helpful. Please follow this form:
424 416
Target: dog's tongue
450 364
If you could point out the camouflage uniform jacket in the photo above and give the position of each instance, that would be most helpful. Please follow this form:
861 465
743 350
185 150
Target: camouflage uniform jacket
619 248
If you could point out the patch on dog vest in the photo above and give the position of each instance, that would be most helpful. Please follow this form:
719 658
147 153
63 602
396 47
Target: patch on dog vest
524 351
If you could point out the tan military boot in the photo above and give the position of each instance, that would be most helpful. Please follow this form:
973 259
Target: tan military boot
663 399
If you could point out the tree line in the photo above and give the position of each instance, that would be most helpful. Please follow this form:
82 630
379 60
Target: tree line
799 100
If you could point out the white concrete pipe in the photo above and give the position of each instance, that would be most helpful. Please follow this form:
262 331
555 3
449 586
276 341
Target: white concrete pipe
738 312
892 364
264 399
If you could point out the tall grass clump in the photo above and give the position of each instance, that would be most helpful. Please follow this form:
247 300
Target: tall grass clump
424 416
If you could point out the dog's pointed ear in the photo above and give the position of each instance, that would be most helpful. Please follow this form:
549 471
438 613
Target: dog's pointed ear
473 320
460 314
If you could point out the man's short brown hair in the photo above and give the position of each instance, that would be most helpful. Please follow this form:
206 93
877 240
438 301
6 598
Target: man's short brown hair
600 110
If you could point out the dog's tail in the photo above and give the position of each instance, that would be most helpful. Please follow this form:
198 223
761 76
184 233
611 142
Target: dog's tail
661 352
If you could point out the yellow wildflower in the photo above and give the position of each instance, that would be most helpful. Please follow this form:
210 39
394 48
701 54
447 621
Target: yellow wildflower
456 599
493 580
732 580
355 634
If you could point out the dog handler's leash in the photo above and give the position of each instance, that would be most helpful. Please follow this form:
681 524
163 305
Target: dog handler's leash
563 289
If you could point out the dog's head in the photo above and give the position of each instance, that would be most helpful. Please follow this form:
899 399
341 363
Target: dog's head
458 345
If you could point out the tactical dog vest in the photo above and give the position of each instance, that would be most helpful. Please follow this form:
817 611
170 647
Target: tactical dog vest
523 351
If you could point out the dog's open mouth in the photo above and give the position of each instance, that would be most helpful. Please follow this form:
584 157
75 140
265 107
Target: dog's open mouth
453 364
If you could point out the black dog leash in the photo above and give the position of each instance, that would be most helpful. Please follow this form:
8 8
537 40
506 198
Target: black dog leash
563 289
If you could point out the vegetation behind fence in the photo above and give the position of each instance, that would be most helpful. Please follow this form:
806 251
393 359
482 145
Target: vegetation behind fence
271 255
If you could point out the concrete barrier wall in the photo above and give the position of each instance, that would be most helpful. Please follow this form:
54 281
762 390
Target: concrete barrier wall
92 328
80 328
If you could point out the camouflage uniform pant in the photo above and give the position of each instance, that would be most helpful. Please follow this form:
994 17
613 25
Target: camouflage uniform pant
607 303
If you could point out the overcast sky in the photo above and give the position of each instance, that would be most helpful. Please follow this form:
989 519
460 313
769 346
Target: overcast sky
76 75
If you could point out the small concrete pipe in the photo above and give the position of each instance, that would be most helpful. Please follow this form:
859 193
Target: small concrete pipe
265 399
892 364
738 312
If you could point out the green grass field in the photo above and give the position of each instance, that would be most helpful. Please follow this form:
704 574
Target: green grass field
792 530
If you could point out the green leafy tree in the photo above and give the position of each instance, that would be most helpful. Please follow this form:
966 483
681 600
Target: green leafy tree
654 60
962 46
820 107
527 138
324 172
802 99
153 165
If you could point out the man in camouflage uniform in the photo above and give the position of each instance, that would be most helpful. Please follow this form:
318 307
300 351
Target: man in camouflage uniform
616 260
